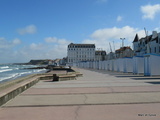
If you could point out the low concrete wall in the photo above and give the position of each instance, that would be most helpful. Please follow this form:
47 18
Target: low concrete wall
47 77
5 97
32 79
66 77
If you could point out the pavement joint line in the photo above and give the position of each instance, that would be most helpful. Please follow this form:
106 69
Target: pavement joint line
105 81
90 93
85 98
76 112
97 87
71 105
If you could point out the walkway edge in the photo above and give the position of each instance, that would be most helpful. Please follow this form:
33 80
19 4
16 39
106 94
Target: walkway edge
5 97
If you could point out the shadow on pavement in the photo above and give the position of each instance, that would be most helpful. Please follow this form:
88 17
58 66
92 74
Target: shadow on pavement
153 82
146 78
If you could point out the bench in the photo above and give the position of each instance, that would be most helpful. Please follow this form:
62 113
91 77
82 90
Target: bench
63 77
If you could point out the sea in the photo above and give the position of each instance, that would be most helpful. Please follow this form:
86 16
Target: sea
11 71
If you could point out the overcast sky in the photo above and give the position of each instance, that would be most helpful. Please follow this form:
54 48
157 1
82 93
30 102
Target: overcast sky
42 29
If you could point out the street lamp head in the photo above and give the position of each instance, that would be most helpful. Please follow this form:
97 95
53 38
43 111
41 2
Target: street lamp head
122 41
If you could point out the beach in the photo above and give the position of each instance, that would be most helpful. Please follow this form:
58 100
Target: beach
9 72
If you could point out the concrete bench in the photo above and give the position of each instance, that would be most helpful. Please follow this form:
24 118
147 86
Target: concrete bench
79 75
63 77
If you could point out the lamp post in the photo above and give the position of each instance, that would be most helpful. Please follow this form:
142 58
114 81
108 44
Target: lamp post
122 41
122 45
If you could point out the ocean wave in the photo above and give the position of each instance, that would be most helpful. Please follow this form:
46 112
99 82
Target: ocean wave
41 70
4 67
12 72
13 76
29 72
9 77
5 70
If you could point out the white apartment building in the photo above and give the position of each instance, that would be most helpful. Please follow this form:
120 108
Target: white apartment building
148 44
80 52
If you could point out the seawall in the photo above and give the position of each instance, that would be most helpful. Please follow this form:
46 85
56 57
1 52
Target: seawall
12 89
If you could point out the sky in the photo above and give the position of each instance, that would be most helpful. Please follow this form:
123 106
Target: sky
42 29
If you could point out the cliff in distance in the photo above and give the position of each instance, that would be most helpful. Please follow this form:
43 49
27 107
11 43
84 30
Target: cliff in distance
38 62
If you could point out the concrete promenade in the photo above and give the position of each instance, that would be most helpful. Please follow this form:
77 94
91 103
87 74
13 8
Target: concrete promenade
98 95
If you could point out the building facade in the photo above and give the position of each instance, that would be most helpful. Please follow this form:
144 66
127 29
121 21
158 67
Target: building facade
148 44
80 52
100 55
124 52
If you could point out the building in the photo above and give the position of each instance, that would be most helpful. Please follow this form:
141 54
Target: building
100 55
110 56
124 52
63 61
148 44
56 62
80 52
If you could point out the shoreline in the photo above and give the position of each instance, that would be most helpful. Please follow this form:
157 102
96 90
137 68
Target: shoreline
13 81
8 83
20 76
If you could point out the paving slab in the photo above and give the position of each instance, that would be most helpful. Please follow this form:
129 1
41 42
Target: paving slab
91 90
84 99
87 112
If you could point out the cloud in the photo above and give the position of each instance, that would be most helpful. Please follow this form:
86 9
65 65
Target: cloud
157 29
6 44
119 18
38 46
31 29
56 40
51 39
149 11
102 37
8 50
59 46
51 48
16 41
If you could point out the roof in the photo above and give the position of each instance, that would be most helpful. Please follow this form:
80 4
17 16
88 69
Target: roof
101 52
123 49
155 39
136 38
57 60
148 39
145 39
82 45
